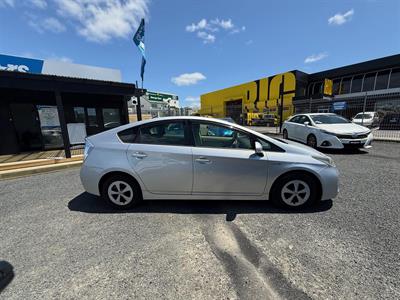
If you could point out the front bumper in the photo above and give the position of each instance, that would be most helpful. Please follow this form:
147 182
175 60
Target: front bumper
329 177
333 142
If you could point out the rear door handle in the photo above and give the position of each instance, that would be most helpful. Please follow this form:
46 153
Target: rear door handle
139 155
203 160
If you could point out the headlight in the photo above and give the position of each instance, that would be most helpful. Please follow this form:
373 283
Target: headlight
326 160
327 132
88 148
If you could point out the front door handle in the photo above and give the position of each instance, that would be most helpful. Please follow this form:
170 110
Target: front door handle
139 155
203 160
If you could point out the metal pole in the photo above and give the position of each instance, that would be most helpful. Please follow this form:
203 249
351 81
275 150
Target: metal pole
281 112
365 102
63 124
138 105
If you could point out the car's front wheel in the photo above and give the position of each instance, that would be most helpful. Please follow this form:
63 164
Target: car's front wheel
121 192
285 134
312 141
295 191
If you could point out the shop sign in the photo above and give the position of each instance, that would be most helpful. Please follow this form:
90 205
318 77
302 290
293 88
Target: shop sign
20 64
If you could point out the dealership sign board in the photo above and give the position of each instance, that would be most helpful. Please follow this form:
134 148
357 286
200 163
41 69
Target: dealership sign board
59 68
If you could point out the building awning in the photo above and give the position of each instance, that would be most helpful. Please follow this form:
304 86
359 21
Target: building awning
40 82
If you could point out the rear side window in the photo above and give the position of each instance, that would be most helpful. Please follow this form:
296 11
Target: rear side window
128 135
166 133
295 119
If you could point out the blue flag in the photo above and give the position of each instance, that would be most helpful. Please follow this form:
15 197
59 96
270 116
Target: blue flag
138 39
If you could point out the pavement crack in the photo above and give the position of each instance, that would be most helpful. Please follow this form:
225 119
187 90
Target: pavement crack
251 272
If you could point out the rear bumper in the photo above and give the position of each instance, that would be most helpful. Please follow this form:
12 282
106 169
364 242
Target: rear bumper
90 177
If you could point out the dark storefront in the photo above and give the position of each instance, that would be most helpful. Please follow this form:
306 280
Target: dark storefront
368 86
39 112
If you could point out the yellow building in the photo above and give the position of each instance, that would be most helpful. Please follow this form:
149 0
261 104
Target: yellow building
263 96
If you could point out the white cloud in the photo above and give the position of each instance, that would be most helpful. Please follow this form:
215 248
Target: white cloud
102 20
206 37
192 101
340 19
4 3
206 30
249 42
202 24
49 24
60 58
315 57
42 4
225 24
188 79
54 25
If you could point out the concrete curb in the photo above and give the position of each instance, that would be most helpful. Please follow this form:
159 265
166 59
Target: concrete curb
15 173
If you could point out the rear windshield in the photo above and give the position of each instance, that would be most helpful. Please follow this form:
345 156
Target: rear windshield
329 119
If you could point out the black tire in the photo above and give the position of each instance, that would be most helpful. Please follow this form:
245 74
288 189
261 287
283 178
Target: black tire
312 141
297 202
115 186
285 134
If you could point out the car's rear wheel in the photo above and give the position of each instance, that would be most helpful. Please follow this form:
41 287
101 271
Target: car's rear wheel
285 134
121 192
312 141
295 191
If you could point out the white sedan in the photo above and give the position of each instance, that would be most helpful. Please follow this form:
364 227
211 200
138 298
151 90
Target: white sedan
326 130
203 158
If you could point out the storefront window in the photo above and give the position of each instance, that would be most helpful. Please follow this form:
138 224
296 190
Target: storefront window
111 117
382 80
79 113
92 118
356 84
345 86
50 126
369 82
395 79
336 87
317 88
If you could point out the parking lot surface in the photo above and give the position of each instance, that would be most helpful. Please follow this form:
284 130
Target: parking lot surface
64 243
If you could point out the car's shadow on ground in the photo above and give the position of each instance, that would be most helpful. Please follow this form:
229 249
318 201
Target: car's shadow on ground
92 204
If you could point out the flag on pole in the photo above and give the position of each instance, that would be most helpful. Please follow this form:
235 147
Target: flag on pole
138 39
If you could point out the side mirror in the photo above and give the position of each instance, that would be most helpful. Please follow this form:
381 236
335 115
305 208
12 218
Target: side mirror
306 123
258 149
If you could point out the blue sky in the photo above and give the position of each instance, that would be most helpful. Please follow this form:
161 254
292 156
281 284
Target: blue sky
194 46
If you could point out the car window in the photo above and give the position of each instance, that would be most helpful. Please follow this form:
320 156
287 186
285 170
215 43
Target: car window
218 136
166 133
329 119
268 146
295 119
128 135
303 119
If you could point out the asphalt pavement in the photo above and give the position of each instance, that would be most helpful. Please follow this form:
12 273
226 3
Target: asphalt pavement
66 244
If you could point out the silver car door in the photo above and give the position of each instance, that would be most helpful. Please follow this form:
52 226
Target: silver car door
225 163
162 158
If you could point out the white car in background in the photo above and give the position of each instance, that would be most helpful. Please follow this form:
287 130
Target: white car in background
326 130
368 119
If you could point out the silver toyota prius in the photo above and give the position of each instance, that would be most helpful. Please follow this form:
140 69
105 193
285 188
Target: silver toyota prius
203 158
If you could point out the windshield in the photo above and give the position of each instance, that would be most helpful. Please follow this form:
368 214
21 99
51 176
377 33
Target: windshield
363 116
328 119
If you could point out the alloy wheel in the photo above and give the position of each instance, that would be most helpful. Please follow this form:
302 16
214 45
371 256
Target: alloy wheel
120 193
295 193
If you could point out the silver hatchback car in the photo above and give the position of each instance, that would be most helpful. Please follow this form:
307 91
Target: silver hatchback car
203 158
